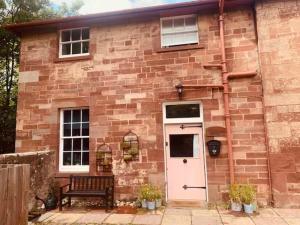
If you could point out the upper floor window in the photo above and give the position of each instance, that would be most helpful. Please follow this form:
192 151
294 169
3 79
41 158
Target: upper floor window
179 30
74 42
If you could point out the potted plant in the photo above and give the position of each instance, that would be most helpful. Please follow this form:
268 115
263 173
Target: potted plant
125 145
235 197
247 196
133 152
151 196
127 158
143 195
158 198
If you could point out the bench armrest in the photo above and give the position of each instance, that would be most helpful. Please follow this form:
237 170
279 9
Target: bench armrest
61 188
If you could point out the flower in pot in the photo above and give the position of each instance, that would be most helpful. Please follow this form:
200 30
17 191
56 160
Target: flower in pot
127 158
235 197
247 196
133 152
125 145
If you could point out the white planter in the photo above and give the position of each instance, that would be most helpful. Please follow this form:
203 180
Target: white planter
151 205
248 208
158 203
144 204
236 207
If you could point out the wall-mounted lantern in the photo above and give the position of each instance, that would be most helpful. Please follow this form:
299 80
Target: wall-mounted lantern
179 88
214 148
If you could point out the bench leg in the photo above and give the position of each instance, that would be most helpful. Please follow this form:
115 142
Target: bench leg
106 203
69 201
60 203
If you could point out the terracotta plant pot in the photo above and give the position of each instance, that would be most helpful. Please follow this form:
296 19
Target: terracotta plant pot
126 210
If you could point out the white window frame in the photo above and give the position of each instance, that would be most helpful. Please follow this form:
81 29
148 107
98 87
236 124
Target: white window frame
194 29
182 120
71 42
71 168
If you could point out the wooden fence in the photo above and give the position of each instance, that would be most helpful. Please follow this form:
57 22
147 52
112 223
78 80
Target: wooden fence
14 189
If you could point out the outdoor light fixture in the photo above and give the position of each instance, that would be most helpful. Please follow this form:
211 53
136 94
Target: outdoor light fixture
179 88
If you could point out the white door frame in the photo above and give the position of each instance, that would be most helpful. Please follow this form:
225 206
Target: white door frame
182 121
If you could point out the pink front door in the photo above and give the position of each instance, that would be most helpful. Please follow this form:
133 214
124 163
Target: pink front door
185 162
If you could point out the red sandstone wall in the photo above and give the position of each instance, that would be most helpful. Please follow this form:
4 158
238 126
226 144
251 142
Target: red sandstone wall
124 86
279 51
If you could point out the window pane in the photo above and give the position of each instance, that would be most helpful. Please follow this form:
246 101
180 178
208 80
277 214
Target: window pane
85 47
181 145
77 144
85 129
76 158
85 158
65 35
76 35
76 116
67 130
76 129
85 33
183 111
67 116
66 49
67 144
85 145
167 24
85 115
76 48
190 21
179 23
191 37
67 158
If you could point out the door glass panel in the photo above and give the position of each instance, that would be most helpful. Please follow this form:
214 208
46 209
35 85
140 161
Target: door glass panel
184 145
183 111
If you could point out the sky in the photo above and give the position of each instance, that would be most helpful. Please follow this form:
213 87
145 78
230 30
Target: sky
96 6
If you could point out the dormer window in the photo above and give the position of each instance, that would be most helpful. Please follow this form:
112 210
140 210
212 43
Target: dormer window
74 42
179 30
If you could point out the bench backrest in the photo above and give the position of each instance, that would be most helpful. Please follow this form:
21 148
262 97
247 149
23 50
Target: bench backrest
91 183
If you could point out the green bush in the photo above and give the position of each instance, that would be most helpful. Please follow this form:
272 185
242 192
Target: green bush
248 194
235 193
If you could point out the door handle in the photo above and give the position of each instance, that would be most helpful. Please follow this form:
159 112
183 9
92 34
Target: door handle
184 161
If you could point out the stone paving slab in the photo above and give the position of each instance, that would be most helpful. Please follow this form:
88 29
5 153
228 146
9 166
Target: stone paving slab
232 220
147 219
206 220
293 221
205 212
97 218
65 218
288 213
178 211
268 221
119 219
266 213
177 219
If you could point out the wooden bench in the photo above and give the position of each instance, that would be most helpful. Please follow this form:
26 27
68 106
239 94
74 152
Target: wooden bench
89 186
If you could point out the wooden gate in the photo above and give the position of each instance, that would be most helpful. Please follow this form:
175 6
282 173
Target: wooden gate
14 189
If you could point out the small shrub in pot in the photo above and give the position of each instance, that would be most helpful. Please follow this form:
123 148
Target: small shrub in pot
248 194
235 197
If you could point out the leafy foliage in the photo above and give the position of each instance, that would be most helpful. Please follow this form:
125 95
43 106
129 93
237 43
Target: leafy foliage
17 11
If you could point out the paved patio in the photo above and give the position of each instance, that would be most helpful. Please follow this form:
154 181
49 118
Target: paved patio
173 216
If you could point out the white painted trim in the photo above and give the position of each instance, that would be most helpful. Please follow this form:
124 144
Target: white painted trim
62 168
181 121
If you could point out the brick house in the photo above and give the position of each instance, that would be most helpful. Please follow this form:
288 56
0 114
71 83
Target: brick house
87 82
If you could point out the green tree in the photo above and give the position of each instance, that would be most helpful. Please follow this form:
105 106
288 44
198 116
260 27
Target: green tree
17 11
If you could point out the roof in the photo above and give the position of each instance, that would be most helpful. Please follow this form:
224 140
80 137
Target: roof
124 15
